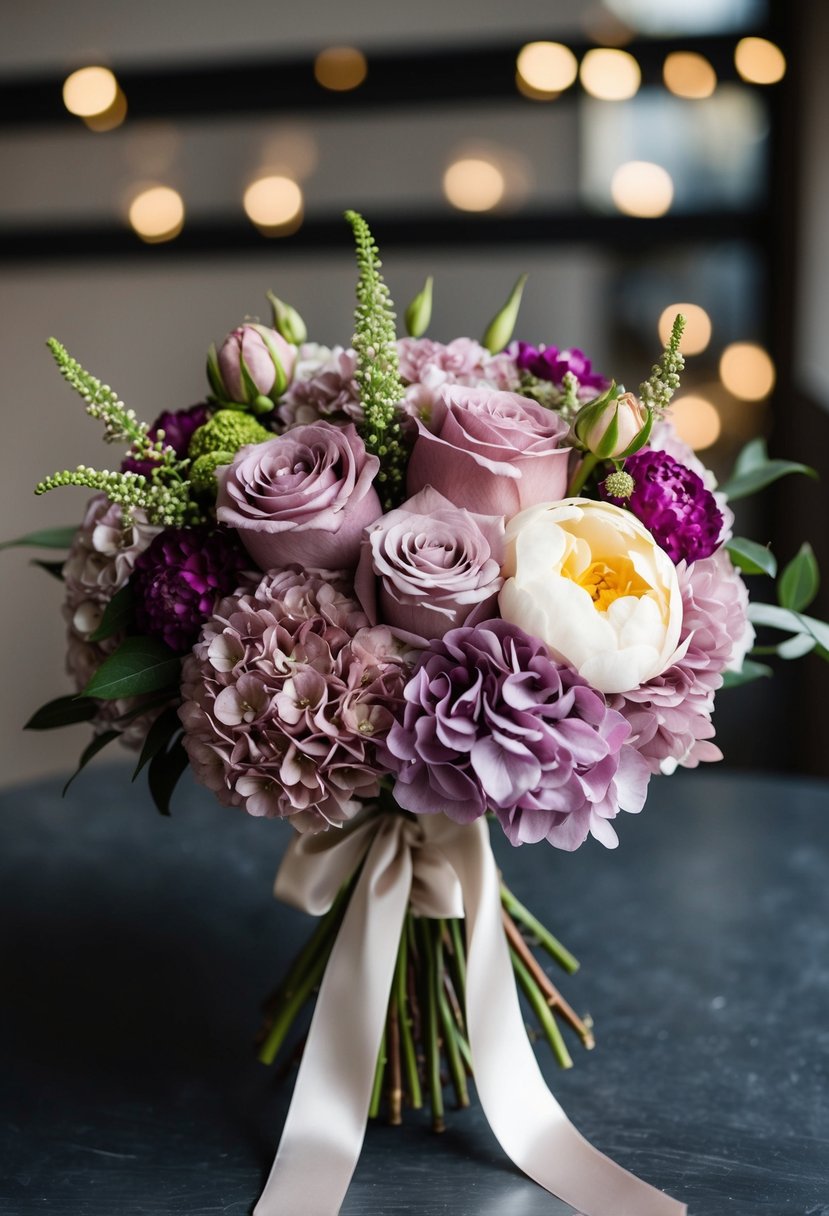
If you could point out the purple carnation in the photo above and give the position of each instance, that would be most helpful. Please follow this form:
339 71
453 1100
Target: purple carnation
288 696
178 579
550 363
178 427
492 721
673 504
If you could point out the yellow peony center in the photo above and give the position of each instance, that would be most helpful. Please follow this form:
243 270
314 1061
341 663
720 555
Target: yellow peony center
607 579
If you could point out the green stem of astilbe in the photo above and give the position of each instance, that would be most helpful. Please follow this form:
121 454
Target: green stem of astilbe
403 1013
431 1026
540 932
542 1011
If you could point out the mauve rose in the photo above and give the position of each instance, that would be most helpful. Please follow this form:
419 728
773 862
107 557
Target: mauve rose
429 566
260 353
494 453
303 498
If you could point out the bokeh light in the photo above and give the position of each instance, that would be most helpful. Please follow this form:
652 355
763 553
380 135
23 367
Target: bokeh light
474 184
642 188
696 420
545 69
687 74
759 61
697 332
274 204
747 371
340 68
90 91
610 75
157 214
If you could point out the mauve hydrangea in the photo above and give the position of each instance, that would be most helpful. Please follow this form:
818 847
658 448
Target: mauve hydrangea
674 505
324 386
491 721
427 366
670 715
288 696
179 578
179 427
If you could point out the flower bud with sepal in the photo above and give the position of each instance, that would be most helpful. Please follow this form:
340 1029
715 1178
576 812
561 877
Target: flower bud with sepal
287 321
419 313
251 369
614 425
500 329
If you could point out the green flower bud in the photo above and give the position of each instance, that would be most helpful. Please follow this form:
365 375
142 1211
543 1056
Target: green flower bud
203 471
619 484
499 331
226 432
287 321
613 426
419 312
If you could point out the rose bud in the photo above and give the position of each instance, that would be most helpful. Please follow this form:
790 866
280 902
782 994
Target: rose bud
287 321
613 426
252 368
419 312
499 330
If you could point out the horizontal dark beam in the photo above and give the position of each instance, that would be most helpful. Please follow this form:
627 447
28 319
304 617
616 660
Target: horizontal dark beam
440 230
418 77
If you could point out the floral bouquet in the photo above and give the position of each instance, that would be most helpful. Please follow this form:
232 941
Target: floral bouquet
388 593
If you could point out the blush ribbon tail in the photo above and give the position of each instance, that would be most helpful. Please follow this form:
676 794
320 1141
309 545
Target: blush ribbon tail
434 862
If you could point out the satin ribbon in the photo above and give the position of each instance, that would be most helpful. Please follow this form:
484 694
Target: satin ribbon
438 867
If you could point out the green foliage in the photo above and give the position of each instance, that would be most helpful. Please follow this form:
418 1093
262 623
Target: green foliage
800 580
166 505
499 331
166 767
139 665
158 737
750 557
102 402
63 711
754 471
96 745
749 672
117 615
45 538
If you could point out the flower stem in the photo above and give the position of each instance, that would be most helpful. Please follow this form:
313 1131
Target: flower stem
542 1011
449 1024
292 1004
545 938
377 1090
551 994
431 1027
458 957
406 1036
395 1092
583 471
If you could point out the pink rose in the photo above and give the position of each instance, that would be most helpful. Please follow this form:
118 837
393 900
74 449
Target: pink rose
429 566
253 366
303 498
492 452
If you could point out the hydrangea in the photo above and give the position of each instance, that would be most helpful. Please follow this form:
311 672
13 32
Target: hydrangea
178 427
670 715
491 721
673 504
179 578
288 696
324 386
427 366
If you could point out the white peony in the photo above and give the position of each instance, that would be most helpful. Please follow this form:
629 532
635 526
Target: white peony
589 580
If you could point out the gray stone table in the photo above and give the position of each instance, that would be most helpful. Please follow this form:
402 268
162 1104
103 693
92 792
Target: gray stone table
136 951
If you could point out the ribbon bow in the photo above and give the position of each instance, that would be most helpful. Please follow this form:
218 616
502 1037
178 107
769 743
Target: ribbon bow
440 868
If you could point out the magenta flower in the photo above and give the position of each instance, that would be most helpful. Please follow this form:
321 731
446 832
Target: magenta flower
288 696
550 363
673 504
179 578
491 721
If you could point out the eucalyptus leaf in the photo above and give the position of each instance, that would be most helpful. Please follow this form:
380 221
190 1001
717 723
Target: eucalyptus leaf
45 538
798 584
139 665
158 736
750 557
163 774
796 646
63 711
740 485
749 671
789 622
117 615
97 745
752 456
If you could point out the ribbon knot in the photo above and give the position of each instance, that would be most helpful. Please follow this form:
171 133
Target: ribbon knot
442 869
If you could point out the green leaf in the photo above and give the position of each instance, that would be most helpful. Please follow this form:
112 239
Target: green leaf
750 557
53 568
158 736
46 538
63 711
97 745
796 646
799 582
117 615
741 484
139 665
165 769
749 671
752 456
789 622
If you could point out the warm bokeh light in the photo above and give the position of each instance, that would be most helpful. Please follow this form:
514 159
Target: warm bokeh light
688 74
610 75
643 189
90 91
545 69
109 119
697 332
274 204
340 68
759 61
696 420
747 371
157 214
473 184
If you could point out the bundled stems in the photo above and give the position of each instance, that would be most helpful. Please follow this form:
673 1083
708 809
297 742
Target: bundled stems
425 1044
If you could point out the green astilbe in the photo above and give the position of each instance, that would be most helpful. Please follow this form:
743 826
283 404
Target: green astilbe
378 375
165 496
657 390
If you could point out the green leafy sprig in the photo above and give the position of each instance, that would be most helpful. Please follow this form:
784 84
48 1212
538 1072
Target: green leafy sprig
378 374
657 391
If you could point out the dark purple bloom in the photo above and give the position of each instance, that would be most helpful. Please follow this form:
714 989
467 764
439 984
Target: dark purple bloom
491 721
178 579
673 504
178 427
550 363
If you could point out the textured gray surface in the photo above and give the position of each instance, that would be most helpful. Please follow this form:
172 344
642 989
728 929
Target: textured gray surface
135 953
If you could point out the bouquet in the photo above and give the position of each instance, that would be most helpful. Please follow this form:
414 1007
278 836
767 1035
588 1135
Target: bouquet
390 593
